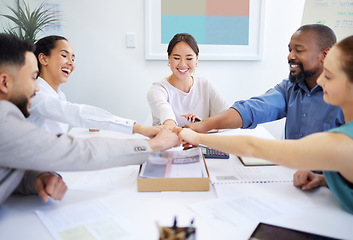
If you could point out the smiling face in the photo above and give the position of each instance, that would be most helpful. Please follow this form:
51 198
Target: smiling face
182 60
305 57
337 88
58 66
24 85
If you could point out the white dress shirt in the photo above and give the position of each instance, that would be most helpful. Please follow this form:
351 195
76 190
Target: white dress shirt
168 102
52 112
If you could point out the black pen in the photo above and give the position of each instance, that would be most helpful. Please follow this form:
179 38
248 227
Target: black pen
189 230
175 225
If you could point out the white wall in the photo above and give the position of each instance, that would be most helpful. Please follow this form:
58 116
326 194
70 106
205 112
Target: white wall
117 78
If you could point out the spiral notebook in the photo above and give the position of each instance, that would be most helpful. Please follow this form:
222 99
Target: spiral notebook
237 173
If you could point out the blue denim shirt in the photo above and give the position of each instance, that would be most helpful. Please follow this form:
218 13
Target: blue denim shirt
305 110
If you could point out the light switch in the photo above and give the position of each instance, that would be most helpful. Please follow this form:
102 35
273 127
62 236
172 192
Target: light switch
130 40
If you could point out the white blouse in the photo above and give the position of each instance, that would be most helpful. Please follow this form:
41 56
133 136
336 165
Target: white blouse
52 112
168 102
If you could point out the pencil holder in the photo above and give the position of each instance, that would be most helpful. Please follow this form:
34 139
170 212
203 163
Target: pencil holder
180 233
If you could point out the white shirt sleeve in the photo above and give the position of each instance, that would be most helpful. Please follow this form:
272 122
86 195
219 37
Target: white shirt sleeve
158 99
48 106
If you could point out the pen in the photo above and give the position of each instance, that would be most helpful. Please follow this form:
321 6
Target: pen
175 225
189 230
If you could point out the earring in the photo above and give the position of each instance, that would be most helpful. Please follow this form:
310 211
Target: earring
169 64
196 64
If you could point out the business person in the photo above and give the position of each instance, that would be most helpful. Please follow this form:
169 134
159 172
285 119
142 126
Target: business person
29 154
330 151
52 112
298 99
181 97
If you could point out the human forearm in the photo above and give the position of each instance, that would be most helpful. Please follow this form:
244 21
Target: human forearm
51 153
147 131
297 154
247 146
322 178
170 124
229 119
237 145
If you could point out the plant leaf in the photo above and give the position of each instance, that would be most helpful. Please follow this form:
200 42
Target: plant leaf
29 23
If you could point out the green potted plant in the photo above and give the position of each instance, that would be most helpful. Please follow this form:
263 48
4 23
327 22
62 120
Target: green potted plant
28 24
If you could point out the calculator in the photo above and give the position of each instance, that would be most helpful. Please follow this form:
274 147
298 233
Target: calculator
212 153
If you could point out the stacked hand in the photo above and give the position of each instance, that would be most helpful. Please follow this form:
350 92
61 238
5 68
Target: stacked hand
188 137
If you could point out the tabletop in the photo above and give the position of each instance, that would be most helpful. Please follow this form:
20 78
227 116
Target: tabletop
316 211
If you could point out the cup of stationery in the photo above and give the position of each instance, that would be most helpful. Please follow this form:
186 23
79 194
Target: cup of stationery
181 233
177 233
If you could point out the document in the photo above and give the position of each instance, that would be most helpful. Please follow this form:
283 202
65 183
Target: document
231 215
175 164
91 220
106 180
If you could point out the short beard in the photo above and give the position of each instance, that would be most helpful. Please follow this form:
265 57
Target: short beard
23 106
302 75
297 78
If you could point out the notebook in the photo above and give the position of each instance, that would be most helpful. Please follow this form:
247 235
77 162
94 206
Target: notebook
236 173
250 161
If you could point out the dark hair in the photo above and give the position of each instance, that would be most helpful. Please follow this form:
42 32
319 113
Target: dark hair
13 49
183 37
45 45
346 48
326 37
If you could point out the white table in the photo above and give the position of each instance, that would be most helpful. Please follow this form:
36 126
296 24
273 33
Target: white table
19 221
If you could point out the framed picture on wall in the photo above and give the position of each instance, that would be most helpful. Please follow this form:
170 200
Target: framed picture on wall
224 30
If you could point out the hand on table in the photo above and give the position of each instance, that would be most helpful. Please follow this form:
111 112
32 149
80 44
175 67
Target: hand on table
307 180
48 184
